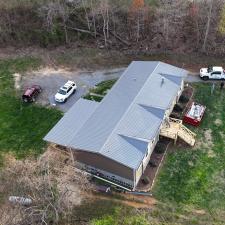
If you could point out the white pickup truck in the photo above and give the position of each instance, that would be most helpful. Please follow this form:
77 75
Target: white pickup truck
212 72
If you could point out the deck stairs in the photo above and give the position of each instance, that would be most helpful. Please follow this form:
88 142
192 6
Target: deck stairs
173 128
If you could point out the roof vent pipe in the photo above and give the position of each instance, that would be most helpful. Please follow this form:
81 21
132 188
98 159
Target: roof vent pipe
162 81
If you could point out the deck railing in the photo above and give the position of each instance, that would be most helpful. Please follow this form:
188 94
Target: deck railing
172 128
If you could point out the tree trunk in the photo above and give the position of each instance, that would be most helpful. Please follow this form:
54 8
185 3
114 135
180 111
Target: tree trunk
93 18
138 27
86 15
107 22
207 26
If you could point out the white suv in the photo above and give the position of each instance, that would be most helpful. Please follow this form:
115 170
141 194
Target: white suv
65 91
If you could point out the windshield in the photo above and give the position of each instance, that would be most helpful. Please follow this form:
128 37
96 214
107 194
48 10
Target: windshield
62 92
210 69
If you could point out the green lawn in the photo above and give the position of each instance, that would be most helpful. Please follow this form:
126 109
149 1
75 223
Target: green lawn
191 178
190 188
101 90
196 176
22 126
108 212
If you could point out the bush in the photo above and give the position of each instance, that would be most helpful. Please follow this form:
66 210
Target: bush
160 148
145 180
178 108
175 115
152 164
183 99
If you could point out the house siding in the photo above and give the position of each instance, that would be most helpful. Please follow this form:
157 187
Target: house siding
102 163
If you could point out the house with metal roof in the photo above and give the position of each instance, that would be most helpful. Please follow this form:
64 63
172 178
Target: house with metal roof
114 138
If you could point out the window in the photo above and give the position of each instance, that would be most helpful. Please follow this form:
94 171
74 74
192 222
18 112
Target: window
216 73
69 89
62 92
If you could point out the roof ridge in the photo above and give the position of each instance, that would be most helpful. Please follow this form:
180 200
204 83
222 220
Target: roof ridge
171 78
134 137
130 139
127 110
182 70
146 107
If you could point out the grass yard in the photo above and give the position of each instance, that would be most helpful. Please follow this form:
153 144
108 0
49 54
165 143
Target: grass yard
22 126
190 188
192 180
197 176
100 89
108 212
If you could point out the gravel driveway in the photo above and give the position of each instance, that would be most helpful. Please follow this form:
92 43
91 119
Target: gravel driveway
51 80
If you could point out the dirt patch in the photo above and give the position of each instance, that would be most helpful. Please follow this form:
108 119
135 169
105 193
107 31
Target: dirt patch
218 122
211 153
200 211
154 165
222 134
190 163
9 214
205 142
51 71
219 179
129 200
208 137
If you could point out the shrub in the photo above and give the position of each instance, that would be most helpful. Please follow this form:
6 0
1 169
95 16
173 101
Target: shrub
183 99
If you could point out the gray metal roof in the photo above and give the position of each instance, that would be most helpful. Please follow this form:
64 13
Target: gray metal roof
63 132
128 117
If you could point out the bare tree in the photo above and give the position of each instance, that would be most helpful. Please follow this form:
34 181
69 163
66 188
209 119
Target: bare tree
54 186
51 12
168 27
93 18
207 25
104 10
86 14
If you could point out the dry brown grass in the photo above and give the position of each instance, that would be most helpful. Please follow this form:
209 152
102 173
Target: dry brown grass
52 182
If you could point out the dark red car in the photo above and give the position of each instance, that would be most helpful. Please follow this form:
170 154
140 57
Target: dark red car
31 93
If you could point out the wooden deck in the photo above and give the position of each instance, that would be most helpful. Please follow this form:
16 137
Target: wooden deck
173 128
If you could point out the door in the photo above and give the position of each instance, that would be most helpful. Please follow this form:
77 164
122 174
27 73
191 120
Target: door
216 75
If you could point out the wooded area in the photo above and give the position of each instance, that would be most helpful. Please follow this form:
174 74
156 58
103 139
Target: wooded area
143 25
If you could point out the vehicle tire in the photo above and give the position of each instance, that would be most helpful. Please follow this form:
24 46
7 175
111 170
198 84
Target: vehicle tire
74 91
65 100
205 78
